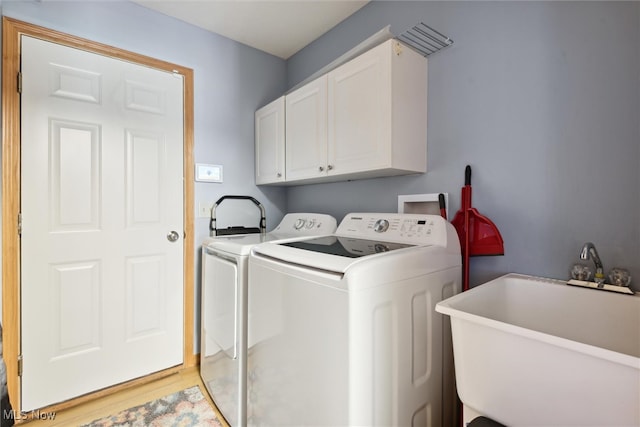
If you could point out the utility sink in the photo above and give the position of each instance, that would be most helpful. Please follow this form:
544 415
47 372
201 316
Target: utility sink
531 351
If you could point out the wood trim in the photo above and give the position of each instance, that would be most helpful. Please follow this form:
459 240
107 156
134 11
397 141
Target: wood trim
10 209
11 31
190 358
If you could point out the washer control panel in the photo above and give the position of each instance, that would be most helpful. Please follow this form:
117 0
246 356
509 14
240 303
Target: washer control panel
381 226
406 228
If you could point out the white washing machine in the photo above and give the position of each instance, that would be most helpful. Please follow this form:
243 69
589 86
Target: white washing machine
344 329
224 308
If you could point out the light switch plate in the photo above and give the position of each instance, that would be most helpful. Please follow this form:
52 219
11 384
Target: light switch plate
208 173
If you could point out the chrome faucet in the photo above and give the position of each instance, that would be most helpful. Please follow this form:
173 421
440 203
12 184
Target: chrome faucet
589 251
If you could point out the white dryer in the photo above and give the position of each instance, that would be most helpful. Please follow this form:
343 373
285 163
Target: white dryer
224 308
344 329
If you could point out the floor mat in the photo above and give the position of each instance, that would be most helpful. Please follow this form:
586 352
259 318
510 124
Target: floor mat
186 408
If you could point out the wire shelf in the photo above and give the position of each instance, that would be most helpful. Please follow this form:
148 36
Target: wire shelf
425 39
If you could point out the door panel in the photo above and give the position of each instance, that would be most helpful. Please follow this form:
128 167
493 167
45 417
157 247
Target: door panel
74 175
306 131
102 185
359 112
76 291
146 301
270 142
144 157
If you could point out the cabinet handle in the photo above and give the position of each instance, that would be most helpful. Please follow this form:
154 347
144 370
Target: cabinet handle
329 167
320 168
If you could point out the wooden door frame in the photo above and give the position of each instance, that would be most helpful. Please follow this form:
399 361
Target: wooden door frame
12 30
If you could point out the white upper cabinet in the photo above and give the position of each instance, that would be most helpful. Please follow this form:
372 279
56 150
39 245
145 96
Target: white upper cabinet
306 131
360 113
270 143
366 118
377 113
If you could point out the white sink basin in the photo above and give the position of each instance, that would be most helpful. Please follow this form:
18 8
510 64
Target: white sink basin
536 352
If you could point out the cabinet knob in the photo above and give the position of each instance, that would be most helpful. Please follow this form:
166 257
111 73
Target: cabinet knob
329 167
320 168
279 175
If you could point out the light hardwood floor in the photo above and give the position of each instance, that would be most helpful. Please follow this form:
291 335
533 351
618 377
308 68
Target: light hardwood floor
116 402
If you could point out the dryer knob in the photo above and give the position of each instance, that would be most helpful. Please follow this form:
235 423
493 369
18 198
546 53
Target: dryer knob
299 224
381 226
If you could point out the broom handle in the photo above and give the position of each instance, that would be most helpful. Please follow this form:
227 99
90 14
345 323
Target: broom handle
466 205
443 206
465 262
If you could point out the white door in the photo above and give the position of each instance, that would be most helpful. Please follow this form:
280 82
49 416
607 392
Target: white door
102 189
306 131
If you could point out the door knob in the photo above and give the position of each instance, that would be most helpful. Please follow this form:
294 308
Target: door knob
173 236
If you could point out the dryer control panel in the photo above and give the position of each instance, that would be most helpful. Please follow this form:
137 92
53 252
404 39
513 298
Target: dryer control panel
414 229
306 224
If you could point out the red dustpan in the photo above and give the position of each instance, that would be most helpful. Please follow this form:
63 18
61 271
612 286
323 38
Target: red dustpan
484 236
478 234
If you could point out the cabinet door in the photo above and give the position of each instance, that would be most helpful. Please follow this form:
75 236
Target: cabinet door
359 109
269 140
306 131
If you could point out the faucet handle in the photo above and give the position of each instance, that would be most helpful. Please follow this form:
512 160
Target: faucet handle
619 277
581 272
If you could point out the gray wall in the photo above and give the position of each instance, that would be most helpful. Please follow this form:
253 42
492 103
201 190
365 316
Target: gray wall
231 82
542 99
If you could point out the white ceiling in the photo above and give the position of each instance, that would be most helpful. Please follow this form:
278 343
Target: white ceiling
279 27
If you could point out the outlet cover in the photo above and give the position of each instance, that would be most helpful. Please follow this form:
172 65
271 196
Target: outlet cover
204 209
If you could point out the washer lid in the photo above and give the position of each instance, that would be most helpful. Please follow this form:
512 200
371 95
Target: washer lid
349 247
239 244
334 254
